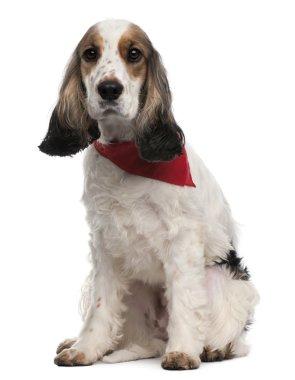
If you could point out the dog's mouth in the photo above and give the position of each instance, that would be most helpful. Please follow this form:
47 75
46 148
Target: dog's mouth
112 110
109 109
109 112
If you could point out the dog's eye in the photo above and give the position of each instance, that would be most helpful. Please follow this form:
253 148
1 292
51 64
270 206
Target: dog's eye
134 55
90 55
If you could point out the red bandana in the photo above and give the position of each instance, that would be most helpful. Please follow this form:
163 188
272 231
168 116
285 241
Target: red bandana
125 156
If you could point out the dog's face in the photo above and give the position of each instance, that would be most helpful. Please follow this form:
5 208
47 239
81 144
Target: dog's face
115 78
113 67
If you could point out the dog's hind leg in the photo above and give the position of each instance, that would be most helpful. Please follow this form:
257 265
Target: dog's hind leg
231 308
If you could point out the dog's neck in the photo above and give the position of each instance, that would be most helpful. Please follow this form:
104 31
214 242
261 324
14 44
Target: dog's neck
115 128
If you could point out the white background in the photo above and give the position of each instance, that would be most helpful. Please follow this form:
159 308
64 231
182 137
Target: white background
231 67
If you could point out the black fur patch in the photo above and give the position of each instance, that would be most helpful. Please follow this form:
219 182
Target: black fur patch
235 266
161 143
61 141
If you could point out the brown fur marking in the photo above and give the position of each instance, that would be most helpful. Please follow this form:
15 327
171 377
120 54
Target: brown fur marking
209 355
71 109
91 39
135 38
70 358
98 302
65 344
179 361
155 96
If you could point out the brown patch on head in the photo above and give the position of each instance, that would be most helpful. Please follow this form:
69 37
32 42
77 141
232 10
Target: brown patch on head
71 128
158 137
209 355
134 37
179 361
91 40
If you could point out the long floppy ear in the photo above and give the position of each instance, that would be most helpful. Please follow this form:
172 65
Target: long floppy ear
159 138
70 127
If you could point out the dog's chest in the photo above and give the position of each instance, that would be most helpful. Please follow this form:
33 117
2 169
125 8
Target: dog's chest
126 220
131 240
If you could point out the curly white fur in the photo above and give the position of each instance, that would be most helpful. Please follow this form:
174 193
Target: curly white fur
155 286
164 236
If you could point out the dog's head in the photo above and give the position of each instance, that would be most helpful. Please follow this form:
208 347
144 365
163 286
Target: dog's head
115 81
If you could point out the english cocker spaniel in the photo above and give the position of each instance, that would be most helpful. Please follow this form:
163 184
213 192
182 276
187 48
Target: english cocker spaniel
166 278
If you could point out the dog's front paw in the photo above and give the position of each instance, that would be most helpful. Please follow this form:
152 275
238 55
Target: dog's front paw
71 357
65 344
179 361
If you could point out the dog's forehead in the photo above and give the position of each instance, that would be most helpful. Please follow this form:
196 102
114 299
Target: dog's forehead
111 32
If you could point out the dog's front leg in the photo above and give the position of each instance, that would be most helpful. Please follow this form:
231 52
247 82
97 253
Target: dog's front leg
187 305
104 317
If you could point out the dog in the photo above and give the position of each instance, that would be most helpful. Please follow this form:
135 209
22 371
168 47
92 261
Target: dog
166 279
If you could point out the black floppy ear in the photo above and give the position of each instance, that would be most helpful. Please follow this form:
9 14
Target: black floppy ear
61 140
160 141
159 138
70 128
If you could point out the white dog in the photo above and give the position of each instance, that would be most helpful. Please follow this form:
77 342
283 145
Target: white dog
166 279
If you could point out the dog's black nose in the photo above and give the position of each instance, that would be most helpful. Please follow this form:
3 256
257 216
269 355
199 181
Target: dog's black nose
110 89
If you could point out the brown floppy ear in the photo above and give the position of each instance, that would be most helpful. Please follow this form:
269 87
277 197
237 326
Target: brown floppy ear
159 138
70 127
